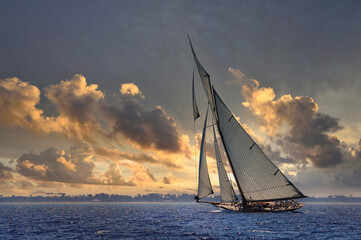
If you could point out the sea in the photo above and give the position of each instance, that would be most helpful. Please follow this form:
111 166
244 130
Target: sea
174 221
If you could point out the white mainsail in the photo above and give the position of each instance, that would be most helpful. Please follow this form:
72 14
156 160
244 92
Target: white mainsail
204 183
258 177
195 107
227 191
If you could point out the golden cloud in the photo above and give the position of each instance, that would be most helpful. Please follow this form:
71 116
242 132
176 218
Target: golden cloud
130 89
18 102
83 115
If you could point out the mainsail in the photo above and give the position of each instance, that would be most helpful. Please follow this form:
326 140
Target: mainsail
227 192
204 183
195 107
258 177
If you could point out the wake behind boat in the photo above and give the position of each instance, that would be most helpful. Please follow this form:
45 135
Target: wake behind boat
261 184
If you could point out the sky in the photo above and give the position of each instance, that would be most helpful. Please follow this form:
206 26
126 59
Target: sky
95 96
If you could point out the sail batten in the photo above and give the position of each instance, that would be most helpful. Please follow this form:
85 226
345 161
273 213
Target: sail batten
204 182
227 191
195 107
253 170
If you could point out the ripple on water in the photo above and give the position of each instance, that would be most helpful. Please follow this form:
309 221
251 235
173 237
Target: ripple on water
174 221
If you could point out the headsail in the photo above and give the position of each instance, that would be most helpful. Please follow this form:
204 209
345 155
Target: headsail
195 107
204 77
227 191
204 183
259 178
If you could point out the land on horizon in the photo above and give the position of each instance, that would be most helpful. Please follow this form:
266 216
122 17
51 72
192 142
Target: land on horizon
151 197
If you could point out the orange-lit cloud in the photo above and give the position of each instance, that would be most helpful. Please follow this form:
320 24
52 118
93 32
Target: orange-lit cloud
117 155
98 129
130 89
76 167
77 104
85 116
18 102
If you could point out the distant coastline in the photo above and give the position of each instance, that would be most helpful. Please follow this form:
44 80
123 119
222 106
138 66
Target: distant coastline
152 197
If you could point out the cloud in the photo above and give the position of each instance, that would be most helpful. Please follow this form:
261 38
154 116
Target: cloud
114 176
170 179
144 175
307 131
356 152
115 154
147 129
130 89
77 104
18 102
239 78
55 165
75 167
345 177
75 98
84 115
5 172
141 174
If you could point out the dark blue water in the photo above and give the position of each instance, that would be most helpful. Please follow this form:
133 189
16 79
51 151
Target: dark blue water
175 221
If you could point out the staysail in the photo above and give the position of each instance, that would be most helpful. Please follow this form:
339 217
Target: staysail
227 191
195 107
258 177
204 183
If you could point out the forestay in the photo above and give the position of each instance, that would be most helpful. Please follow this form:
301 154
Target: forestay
227 191
258 177
204 183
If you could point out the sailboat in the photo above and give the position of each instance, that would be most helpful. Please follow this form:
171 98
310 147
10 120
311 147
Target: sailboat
261 184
